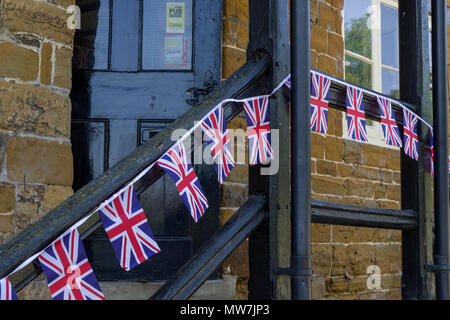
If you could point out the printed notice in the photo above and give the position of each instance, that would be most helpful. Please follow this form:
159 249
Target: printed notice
175 51
175 19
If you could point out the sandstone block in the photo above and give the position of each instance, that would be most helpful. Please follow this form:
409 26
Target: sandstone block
7 197
46 63
40 161
18 62
32 109
38 18
232 60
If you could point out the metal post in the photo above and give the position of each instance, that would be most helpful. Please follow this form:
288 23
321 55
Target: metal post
300 151
440 114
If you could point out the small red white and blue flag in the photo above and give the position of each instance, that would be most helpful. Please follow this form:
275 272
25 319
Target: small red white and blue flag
176 163
411 140
215 129
68 272
128 230
356 118
287 82
388 124
257 113
7 291
320 97
429 153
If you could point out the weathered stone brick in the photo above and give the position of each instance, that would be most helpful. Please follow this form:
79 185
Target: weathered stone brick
46 63
329 18
236 9
226 214
18 62
321 259
388 204
320 233
374 156
53 196
394 192
237 262
352 152
334 122
334 148
346 234
359 188
6 223
235 33
328 185
32 109
38 18
318 288
26 213
388 258
239 174
317 146
63 68
335 46
40 161
337 285
234 195
326 168
360 256
232 60
328 65
7 198
318 38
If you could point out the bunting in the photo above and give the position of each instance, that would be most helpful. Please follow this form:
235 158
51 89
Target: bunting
356 118
176 163
7 291
320 97
126 224
257 114
215 129
64 262
68 272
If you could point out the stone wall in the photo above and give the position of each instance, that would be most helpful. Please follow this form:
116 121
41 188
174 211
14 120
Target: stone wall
36 170
343 171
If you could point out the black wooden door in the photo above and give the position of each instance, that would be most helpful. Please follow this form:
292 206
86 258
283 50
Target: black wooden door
134 63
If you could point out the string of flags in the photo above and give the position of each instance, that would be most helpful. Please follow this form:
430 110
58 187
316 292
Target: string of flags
64 262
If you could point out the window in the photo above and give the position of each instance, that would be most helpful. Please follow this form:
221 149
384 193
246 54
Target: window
372 45
372 57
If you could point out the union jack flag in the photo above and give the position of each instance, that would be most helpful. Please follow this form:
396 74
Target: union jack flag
215 128
128 230
429 153
411 140
356 118
7 291
176 163
388 123
320 97
288 82
68 272
257 114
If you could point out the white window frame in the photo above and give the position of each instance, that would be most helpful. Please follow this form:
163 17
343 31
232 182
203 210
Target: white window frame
374 131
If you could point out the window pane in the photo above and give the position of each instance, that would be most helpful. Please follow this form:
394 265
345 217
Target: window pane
391 83
358 72
167 35
358 36
389 37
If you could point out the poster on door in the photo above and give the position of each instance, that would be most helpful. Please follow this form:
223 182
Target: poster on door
175 51
175 17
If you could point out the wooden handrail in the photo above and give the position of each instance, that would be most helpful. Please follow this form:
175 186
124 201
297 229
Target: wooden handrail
249 80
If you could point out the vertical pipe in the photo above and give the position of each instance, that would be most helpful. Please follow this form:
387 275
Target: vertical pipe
440 116
300 151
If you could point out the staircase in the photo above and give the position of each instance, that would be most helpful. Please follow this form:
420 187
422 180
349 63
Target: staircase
247 81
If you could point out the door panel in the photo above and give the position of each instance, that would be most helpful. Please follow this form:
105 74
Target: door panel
134 62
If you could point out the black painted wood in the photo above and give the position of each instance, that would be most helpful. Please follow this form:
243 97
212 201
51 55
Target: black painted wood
209 257
416 196
340 214
245 82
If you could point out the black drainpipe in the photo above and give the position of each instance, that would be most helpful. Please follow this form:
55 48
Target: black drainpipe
440 114
301 271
